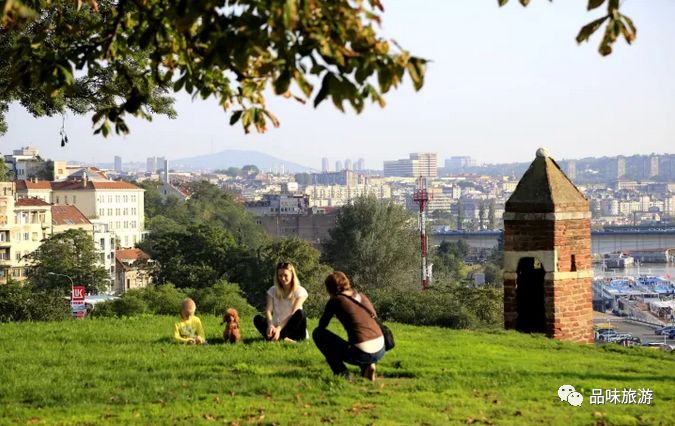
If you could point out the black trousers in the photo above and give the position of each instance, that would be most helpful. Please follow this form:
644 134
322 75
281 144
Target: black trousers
295 328
338 351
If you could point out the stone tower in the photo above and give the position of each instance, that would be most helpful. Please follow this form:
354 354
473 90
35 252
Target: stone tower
547 255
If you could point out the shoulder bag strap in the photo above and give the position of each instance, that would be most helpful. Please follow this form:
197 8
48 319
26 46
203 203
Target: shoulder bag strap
371 313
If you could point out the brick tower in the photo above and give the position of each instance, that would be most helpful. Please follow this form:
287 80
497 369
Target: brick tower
547 255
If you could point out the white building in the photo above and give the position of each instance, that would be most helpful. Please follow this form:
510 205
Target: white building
120 204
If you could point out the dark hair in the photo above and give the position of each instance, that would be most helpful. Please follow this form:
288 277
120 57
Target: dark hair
337 282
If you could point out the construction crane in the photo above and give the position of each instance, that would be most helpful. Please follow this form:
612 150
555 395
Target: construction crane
422 197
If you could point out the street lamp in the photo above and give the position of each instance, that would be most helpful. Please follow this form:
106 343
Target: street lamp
72 285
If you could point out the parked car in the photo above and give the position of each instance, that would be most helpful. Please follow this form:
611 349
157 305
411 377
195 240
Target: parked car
605 335
664 330
671 334
628 341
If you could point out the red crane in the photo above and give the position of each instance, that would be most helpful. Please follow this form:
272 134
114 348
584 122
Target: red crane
422 197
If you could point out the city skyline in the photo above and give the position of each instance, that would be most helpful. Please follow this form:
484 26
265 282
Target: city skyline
495 96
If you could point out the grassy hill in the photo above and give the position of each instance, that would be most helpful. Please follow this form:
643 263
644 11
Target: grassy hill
128 371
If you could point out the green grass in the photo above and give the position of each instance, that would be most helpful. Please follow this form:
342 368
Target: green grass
129 371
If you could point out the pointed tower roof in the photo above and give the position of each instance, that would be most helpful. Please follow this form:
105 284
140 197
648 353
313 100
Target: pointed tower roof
544 188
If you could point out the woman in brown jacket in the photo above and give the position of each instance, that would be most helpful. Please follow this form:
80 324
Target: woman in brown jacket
365 345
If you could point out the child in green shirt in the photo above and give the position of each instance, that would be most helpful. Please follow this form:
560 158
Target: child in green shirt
189 330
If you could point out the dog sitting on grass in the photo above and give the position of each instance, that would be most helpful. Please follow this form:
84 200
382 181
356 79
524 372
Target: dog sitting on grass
231 320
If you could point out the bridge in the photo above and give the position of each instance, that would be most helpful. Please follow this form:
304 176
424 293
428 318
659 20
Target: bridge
608 240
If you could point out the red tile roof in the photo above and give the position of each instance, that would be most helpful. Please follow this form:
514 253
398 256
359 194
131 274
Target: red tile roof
73 185
134 254
68 215
29 184
30 202
114 185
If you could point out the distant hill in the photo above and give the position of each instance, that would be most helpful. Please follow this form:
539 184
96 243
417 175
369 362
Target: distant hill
236 158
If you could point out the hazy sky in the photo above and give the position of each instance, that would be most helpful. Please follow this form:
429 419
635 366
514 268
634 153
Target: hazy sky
503 82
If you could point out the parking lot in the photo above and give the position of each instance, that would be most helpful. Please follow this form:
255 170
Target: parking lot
644 332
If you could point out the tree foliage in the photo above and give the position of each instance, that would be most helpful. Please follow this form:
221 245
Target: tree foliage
70 253
616 24
208 204
120 57
374 243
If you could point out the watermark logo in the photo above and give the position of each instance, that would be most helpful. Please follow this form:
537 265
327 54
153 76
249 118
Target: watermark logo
570 395
641 396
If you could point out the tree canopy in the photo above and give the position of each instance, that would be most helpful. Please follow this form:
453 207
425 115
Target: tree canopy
120 57
70 253
375 243
113 58
616 24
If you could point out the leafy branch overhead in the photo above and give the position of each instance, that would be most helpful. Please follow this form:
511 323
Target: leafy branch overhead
115 58
616 24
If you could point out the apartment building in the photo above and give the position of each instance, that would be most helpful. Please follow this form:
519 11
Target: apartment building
120 204
418 164
32 222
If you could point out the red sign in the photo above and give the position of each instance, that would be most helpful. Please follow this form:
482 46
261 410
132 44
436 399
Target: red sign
77 294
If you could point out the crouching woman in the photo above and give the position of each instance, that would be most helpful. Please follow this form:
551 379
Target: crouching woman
365 345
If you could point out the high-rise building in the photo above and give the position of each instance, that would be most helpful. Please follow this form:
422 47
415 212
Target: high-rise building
428 163
338 166
151 165
419 164
460 162
118 163
651 166
324 165
571 169
617 168
348 164
360 164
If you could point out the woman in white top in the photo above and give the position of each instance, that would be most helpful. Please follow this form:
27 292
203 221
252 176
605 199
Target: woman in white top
284 317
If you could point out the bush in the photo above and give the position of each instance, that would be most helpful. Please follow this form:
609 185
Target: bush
129 305
218 298
162 299
48 306
166 300
455 307
21 303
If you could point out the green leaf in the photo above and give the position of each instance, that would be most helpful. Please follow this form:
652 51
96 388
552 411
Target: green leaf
524 2
325 89
282 82
588 29
592 4
290 13
236 115
502 2
305 86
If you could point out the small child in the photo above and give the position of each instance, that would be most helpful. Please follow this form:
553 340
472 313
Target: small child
189 330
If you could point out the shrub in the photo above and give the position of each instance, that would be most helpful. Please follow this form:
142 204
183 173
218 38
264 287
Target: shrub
221 296
129 305
166 300
21 303
48 306
162 299
454 307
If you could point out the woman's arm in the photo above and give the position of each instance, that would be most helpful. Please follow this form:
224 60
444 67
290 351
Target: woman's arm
328 313
268 315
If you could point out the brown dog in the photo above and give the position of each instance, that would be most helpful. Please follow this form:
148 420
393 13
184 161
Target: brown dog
231 320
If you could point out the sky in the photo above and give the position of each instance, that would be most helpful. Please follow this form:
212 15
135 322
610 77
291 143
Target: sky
501 83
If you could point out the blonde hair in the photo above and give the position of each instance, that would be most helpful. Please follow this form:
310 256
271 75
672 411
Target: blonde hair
281 292
186 305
